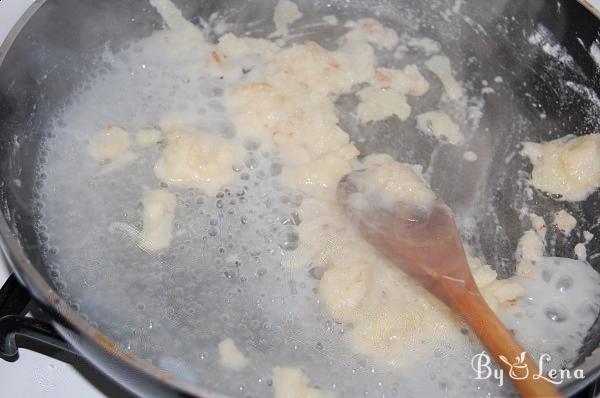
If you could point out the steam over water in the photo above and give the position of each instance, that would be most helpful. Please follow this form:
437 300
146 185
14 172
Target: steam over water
222 277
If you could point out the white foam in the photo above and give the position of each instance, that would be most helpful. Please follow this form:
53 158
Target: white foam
595 53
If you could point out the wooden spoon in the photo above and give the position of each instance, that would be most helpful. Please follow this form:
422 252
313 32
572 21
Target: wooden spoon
428 248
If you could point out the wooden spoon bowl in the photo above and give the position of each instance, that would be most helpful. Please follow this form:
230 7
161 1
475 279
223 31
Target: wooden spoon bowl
428 247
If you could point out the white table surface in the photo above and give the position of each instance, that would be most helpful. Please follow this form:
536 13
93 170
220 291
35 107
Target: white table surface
34 375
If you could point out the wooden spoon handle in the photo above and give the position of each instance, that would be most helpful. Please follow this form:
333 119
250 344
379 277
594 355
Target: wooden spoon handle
500 342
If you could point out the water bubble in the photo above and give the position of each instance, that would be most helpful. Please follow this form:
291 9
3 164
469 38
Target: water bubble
556 312
251 163
564 283
290 242
445 385
296 218
317 272
546 275
261 175
251 145
216 106
275 169
43 237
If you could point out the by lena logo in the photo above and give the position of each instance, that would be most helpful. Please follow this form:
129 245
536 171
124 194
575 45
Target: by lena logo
518 370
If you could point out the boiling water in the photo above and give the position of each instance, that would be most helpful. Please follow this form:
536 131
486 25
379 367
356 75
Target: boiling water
222 275
562 300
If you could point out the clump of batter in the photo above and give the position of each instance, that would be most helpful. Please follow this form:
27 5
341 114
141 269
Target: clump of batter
567 168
